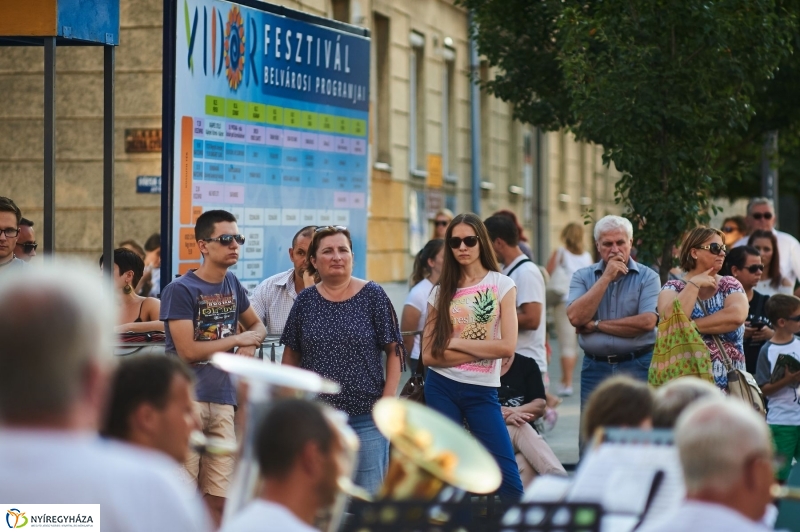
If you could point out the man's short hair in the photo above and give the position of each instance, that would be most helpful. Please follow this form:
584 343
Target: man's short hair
62 321
307 231
24 221
204 227
502 227
781 306
8 205
612 223
755 202
285 430
152 243
139 380
715 437
673 398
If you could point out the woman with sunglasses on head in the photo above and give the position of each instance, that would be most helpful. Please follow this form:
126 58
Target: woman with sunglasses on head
471 326
772 282
425 274
440 223
136 313
744 264
341 328
717 304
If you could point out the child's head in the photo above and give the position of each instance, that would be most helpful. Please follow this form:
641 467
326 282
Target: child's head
784 312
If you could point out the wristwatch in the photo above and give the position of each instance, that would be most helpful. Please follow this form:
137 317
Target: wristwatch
597 325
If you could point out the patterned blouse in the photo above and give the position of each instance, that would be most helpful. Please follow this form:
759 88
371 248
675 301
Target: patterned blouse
732 341
344 341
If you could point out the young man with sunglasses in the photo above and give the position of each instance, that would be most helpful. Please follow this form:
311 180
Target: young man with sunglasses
201 312
26 246
10 217
761 215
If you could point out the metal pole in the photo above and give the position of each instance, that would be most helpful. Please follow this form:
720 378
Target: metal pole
475 134
108 160
49 230
769 170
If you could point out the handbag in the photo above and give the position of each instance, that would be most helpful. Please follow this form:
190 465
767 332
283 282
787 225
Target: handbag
679 351
414 388
741 384
559 283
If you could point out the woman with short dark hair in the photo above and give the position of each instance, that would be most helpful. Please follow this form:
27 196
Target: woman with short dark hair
136 313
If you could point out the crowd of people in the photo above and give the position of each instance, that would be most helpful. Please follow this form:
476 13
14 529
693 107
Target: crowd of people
475 320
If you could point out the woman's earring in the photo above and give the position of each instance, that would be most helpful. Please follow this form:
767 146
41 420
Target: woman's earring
128 289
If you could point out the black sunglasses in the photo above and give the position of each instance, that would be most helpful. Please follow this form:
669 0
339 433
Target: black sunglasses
29 247
793 318
469 241
759 215
715 249
441 223
336 228
226 240
728 229
753 268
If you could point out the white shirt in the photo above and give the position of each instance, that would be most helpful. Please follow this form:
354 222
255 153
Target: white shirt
266 516
764 287
705 517
530 289
273 299
783 406
789 251
136 488
475 310
572 263
418 299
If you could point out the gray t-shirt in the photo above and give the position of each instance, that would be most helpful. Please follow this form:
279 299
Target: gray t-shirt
13 264
214 310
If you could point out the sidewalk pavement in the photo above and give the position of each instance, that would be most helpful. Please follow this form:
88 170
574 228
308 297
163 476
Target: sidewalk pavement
563 439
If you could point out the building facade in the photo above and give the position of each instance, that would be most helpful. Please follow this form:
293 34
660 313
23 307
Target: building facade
421 136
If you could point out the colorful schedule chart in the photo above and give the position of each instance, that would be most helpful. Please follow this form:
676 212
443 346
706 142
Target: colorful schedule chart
268 126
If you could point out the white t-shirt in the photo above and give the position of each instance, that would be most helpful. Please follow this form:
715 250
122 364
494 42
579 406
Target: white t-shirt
708 517
572 263
782 406
136 488
266 516
764 287
475 313
418 298
789 251
530 289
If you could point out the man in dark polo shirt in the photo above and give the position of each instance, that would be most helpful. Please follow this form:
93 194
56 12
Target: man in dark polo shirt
612 304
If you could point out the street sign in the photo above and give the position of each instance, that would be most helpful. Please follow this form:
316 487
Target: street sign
148 184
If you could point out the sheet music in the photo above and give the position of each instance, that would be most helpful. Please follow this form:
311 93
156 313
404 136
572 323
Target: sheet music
620 475
547 488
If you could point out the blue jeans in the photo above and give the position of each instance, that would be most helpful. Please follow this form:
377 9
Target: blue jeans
373 455
593 372
481 409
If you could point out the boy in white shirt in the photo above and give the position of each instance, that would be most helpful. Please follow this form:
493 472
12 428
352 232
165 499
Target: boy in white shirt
783 409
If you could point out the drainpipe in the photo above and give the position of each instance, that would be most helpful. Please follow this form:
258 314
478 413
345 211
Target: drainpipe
475 132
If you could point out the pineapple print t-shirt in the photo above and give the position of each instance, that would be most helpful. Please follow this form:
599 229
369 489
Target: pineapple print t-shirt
475 314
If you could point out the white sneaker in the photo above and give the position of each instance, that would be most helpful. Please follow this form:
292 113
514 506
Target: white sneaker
565 391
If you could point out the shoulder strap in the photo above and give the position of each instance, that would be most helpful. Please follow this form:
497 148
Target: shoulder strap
726 360
520 263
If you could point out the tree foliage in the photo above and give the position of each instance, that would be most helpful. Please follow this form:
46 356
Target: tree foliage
665 86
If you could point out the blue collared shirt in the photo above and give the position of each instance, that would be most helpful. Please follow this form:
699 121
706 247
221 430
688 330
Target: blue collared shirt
630 295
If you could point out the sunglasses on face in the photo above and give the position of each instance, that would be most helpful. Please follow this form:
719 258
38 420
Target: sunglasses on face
728 229
753 268
469 241
760 215
226 240
336 228
29 247
441 223
793 318
714 249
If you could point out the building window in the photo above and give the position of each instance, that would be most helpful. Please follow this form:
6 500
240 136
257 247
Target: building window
449 156
341 10
416 111
380 90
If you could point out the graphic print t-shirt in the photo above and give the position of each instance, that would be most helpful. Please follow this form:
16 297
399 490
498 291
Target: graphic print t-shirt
475 314
214 310
783 406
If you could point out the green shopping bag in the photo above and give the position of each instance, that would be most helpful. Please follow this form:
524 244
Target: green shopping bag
679 351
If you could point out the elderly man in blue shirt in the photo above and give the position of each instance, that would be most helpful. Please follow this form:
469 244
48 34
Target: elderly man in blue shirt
612 304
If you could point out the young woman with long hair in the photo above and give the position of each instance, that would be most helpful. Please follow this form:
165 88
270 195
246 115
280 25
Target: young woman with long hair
426 272
472 324
772 282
